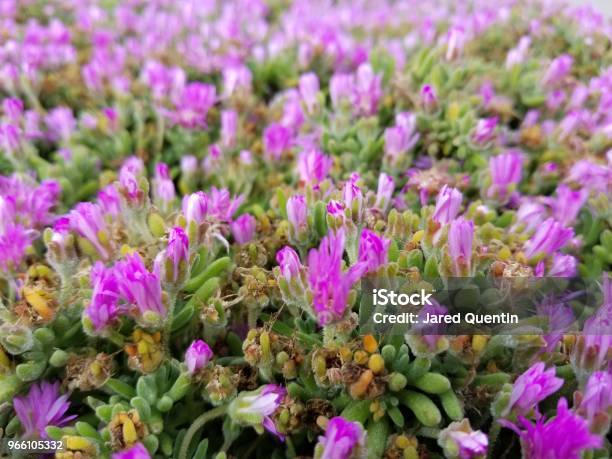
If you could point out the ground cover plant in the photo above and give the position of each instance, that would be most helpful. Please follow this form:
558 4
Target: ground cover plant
194 194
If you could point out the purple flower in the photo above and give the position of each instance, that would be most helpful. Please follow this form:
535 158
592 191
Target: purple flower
103 309
505 171
129 187
563 266
110 200
195 207
297 214
189 165
61 123
31 203
87 219
197 356
460 238
277 140
43 406
163 187
455 42
257 408
340 89
402 137
429 98
293 114
386 186
309 90
236 79
566 435
330 286
13 109
14 241
459 441
518 54
140 287
176 255
592 176
373 250
289 263
353 197
192 105
367 91
243 228
596 401
568 204
559 68
313 165
549 237
138 451
484 131
133 165
530 214
342 440
10 138
229 128
530 388
448 204
221 205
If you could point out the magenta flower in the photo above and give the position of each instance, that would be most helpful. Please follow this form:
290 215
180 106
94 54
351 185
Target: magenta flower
566 435
549 237
568 203
342 440
402 137
140 287
293 113
592 176
32 203
340 89
484 131
110 200
596 401
138 451
257 408
353 197
229 128
530 214
13 109
297 214
192 105
289 262
330 286
559 68
197 356
309 90
243 228
367 91
313 166
448 204
87 219
195 207
455 42
189 165
133 165
562 266
61 123
14 242
373 250
236 80
384 192
429 98
103 309
460 238
277 140
530 388
459 441
505 171
221 204
163 187
42 406
176 255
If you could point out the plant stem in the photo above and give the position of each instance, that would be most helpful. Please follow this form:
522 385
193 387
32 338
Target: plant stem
197 425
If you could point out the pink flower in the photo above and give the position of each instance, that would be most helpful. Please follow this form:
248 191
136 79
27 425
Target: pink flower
87 219
138 451
195 207
103 309
309 90
289 263
243 228
197 356
313 166
192 105
484 131
229 128
549 237
342 440
42 406
297 214
429 98
277 140
176 255
564 436
373 250
460 238
448 204
140 287
505 171
530 388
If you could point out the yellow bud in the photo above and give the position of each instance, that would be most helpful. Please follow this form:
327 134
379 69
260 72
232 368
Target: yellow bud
37 302
376 363
360 357
129 432
416 237
370 344
76 443
504 254
479 342
452 112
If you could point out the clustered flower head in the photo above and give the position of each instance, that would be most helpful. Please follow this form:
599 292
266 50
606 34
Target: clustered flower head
198 200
